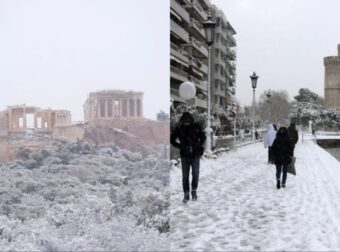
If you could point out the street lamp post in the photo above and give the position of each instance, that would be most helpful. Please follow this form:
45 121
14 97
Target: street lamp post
253 78
209 28
268 94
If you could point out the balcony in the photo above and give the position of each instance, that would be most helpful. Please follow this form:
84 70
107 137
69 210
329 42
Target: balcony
180 10
219 92
232 90
199 65
220 61
178 52
199 47
231 54
197 28
200 84
200 103
205 3
178 31
178 74
174 94
231 39
197 8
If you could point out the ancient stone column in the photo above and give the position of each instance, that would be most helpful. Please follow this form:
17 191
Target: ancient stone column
35 120
106 108
10 118
98 107
127 108
120 105
24 118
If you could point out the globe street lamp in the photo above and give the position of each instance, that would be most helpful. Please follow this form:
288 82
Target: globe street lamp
209 28
268 94
187 91
253 78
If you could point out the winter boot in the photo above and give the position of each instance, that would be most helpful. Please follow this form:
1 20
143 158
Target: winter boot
278 184
186 197
283 185
194 195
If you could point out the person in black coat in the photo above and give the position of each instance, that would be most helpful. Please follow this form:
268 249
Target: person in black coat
189 138
293 136
282 150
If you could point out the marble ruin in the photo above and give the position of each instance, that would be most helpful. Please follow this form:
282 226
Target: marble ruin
20 118
113 104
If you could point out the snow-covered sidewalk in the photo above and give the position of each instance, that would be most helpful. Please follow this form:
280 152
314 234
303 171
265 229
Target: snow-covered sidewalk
239 207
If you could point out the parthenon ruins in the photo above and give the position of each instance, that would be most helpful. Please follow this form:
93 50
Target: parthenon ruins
109 104
19 118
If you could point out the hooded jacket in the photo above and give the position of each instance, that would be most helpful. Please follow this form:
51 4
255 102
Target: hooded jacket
188 138
282 147
269 136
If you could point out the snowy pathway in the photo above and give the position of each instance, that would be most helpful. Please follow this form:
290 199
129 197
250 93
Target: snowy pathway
239 207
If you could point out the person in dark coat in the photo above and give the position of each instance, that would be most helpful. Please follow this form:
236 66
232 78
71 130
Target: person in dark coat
282 150
293 136
189 138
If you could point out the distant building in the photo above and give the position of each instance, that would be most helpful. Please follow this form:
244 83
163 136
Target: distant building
223 63
332 80
110 104
20 118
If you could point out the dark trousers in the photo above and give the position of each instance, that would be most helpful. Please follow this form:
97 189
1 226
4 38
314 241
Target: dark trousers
270 155
283 168
293 150
195 168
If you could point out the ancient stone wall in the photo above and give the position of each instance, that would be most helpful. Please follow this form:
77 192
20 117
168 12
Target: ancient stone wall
73 132
151 132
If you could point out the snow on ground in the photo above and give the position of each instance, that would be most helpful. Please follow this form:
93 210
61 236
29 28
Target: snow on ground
239 207
79 197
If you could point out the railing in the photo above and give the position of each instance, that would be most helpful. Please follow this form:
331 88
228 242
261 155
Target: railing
179 31
198 46
231 53
197 26
219 92
180 10
199 9
178 74
232 39
179 52
200 103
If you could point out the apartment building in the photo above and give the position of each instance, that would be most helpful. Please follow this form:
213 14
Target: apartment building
189 54
223 63
188 51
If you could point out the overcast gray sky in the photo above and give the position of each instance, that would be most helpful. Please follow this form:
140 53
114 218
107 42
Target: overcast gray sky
54 52
284 41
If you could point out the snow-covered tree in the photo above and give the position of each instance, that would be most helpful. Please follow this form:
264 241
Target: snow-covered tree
310 106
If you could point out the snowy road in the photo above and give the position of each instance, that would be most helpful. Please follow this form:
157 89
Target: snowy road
239 207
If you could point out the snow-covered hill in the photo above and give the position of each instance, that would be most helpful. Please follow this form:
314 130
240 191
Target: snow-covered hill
73 196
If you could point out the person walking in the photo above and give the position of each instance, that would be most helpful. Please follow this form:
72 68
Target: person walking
293 136
269 138
189 138
282 150
241 133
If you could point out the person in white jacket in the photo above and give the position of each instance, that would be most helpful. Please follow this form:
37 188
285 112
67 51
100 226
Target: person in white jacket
268 141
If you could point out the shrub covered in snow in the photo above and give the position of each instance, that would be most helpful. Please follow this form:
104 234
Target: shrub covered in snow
78 196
